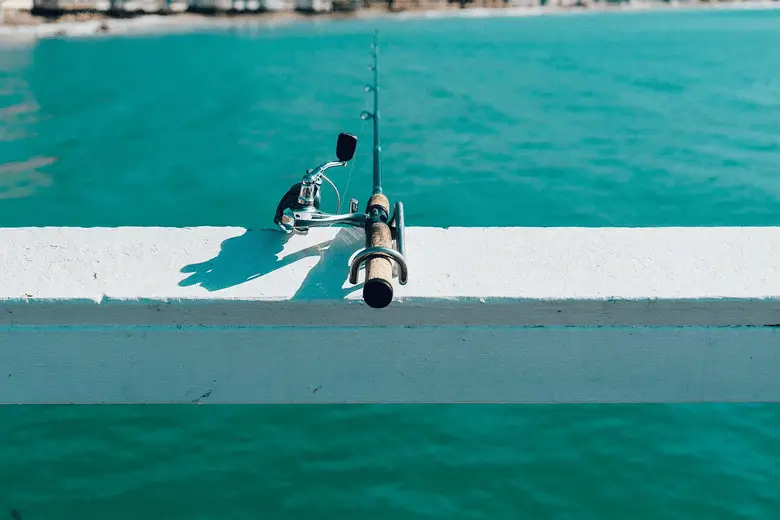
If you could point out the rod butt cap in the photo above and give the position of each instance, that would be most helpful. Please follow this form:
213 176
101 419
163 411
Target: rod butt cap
378 293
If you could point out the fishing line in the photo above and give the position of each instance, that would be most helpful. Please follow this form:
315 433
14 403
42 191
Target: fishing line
346 186
338 196
349 176
358 163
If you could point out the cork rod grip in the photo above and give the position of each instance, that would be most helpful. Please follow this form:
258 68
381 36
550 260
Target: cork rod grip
378 288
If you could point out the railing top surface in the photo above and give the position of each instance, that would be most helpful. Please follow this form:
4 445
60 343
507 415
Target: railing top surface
544 269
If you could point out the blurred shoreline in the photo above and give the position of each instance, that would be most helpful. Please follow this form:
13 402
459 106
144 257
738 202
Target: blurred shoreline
24 25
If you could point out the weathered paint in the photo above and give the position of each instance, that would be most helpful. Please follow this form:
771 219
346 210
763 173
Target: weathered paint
389 364
489 314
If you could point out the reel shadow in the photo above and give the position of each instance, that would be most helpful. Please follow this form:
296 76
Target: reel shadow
256 253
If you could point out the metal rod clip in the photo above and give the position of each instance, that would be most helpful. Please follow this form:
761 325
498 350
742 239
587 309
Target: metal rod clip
397 255
370 252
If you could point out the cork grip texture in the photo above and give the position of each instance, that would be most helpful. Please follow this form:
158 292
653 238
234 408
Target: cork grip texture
378 289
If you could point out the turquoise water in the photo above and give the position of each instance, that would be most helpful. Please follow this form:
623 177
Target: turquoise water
627 120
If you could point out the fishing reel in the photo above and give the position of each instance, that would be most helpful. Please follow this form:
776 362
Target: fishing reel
299 210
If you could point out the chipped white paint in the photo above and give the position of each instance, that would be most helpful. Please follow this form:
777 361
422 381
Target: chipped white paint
489 314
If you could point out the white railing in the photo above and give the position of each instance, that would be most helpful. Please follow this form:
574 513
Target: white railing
218 315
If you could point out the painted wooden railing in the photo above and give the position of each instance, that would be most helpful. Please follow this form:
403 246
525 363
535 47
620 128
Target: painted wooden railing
522 315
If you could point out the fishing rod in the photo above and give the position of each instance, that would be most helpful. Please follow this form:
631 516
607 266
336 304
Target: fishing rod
299 210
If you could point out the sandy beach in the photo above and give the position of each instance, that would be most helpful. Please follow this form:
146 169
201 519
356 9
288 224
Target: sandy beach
21 25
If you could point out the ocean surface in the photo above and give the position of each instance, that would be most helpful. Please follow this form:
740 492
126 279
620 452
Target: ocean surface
652 119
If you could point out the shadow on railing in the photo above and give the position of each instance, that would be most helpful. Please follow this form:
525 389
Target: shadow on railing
256 253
